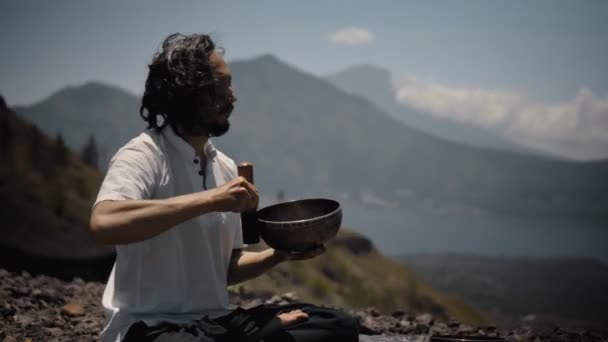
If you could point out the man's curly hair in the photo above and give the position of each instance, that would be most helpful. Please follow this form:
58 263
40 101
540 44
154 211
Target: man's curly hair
180 88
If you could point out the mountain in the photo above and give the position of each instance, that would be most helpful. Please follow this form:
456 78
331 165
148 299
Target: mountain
79 112
566 292
308 138
375 84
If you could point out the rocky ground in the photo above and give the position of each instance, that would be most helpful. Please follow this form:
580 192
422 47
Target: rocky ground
41 308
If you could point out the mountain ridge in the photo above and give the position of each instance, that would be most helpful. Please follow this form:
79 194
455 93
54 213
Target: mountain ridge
281 108
375 84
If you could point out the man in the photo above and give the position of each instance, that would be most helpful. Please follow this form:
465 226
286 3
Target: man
170 202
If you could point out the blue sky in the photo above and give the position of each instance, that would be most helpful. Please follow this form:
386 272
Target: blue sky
525 62
548 48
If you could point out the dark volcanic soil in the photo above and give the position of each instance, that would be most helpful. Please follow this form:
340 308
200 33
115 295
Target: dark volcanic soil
41 308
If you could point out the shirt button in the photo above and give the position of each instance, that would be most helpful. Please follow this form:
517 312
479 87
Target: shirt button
195 161
201 172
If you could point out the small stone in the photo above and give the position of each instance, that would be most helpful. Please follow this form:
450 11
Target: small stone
72 309
7 310
454 324
466 329
373 312
422 329
290 296
368 327
23 320
426 319
20 291
53 331
9 339
398 313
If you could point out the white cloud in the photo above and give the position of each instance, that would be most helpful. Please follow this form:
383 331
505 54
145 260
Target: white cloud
351 36
581 121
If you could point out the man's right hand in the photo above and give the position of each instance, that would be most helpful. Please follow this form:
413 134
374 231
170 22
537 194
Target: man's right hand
237 195
115 222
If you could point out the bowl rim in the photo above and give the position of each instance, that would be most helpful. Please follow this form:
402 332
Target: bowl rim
318 218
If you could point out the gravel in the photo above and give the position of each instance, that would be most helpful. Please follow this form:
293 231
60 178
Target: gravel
41 308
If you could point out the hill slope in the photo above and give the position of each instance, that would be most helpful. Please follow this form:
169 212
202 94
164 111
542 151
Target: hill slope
353 274
46 193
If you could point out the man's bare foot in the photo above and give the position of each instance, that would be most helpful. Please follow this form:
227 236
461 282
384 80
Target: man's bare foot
292 317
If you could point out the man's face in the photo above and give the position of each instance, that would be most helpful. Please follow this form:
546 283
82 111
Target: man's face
218 121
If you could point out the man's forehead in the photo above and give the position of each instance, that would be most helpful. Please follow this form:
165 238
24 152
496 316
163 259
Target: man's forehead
220 68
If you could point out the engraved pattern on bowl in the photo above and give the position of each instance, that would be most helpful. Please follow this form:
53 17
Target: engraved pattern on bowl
299 225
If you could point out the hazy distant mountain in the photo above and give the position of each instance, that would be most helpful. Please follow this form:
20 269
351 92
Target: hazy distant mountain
108 112
304 134
306 137
375 84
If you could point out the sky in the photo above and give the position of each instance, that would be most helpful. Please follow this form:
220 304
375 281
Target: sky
533 70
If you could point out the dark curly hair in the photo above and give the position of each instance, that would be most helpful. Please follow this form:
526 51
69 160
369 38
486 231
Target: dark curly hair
181 88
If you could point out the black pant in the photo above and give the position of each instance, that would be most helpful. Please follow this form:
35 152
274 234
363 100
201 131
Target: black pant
258 324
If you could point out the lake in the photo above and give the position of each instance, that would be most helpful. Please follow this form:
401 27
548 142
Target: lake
397 232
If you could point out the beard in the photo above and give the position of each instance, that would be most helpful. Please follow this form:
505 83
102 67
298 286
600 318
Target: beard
217 129
219 126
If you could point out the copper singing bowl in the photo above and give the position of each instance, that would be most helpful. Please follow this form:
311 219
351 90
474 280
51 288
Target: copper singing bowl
299 225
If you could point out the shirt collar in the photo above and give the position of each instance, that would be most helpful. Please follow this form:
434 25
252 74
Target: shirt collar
184 148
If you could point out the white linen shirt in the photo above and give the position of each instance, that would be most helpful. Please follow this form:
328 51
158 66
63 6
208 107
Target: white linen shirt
181 274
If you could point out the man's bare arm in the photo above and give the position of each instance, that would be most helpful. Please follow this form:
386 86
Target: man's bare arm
248 265
128 221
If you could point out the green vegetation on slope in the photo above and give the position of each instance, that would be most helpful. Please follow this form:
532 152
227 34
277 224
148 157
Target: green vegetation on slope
353 274
46 192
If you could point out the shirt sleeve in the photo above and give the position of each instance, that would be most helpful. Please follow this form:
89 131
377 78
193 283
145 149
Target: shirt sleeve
133 174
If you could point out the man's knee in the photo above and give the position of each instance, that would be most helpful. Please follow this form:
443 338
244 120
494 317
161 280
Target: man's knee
347 327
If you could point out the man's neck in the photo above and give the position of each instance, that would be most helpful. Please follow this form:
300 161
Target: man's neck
197 142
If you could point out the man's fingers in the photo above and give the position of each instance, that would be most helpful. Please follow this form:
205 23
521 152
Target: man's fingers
252 192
